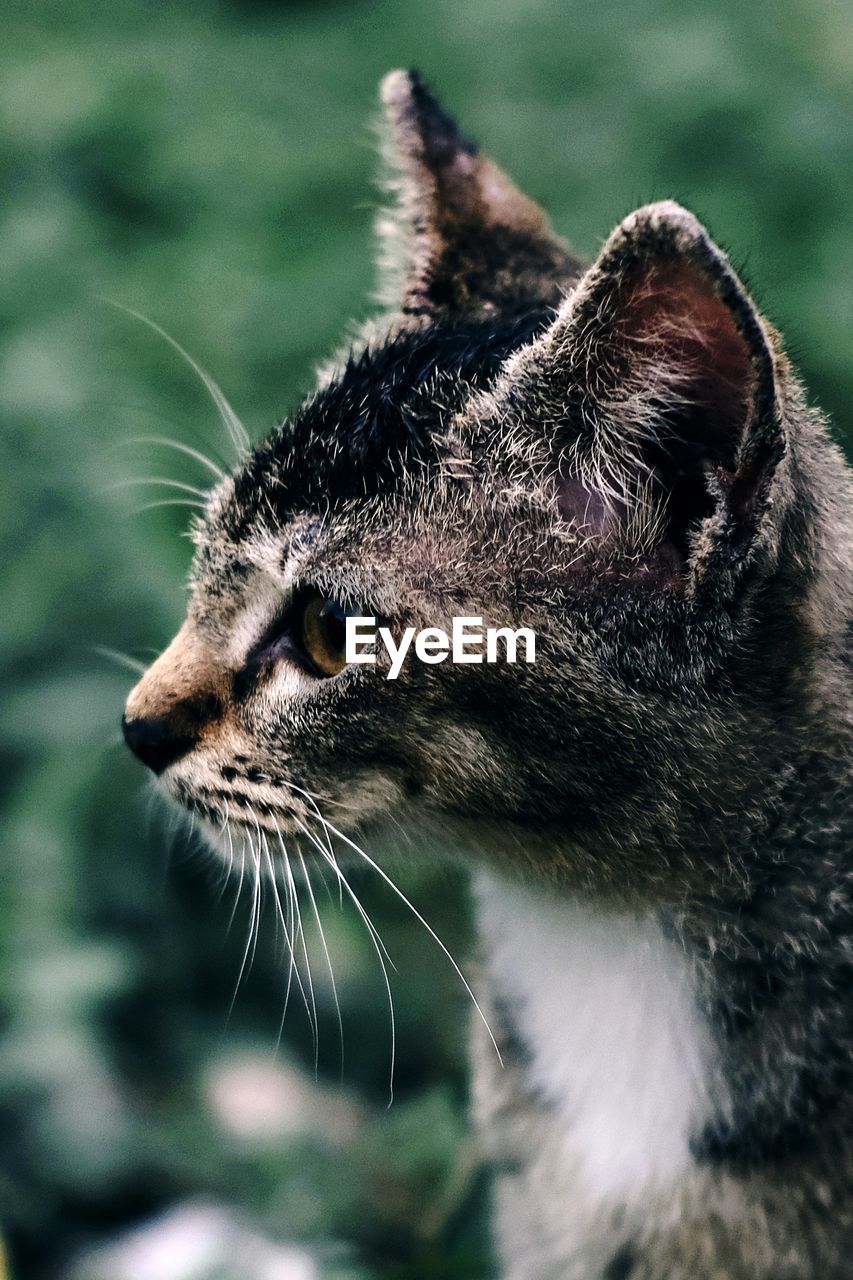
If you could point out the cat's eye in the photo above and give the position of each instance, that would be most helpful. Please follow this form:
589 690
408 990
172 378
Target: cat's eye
310 633
321 624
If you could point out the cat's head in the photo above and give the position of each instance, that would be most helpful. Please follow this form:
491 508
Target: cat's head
598 455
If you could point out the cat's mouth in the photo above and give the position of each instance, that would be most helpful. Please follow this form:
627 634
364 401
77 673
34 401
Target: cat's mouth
227 805
239 803
224 809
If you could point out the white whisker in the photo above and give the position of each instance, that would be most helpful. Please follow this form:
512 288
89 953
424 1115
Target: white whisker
232 423
163 480
171 502
254 919
313 802
432 933
300 935
240 881
227 872
288 924
319 922
378 946
122 659
196 454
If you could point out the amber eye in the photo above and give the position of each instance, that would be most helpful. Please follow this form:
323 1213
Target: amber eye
323 633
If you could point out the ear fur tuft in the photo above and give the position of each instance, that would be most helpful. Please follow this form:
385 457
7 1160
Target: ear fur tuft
460 238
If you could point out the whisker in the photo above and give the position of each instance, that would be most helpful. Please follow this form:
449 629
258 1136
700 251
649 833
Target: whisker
171 502
313 802
242 875
323 943
292 964
121 659
186 449
378 946
163 480
289 926
300 934
227 829
257 898
251 939
319 868
232 423
328 854
314 798
432 933
339 875
226 875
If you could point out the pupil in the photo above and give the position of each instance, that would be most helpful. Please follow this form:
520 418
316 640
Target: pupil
333 618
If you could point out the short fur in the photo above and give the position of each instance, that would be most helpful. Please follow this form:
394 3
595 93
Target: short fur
623 459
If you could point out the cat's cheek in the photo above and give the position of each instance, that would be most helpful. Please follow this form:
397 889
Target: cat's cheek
369 796
290 686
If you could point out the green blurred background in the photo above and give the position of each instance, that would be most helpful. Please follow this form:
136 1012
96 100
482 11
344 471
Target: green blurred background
210 164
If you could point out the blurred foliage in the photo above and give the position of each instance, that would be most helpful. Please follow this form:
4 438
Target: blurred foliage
210 165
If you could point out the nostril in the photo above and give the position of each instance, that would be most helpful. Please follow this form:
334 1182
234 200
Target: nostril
156 740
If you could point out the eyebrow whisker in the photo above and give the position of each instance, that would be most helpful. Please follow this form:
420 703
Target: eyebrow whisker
196 454
233 425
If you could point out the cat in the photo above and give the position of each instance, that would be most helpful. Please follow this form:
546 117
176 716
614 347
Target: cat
657 811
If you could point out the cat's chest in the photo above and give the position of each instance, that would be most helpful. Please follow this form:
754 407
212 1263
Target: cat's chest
616 1048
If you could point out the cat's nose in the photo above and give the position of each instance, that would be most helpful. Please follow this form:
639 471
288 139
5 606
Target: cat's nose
176 701
157 741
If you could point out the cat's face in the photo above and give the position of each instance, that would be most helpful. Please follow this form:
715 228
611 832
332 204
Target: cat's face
261 723
591 456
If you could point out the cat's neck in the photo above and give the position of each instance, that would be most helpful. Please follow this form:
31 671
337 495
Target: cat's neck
604 1005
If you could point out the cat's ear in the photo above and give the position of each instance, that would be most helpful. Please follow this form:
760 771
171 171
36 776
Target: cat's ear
658 388
460 238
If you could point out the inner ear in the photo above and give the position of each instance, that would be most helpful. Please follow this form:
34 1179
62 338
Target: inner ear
655 392
682 337
692 372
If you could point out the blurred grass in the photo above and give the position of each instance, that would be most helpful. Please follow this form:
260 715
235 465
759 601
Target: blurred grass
210 165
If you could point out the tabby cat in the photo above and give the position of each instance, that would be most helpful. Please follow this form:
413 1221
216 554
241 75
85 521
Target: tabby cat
658 810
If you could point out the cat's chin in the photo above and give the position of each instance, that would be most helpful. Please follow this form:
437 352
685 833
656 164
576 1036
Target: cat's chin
296 849
244 846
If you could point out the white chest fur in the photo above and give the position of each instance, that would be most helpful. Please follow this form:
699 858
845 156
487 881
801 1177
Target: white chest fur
619 1051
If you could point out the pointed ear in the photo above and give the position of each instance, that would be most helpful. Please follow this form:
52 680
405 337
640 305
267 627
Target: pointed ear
461 237
661 373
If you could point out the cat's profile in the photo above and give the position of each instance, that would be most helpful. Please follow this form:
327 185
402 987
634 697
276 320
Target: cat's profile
658 809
